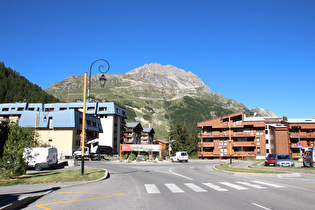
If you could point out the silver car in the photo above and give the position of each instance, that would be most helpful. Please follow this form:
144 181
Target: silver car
284 160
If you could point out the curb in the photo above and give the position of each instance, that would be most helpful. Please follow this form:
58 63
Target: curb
26 200
291 175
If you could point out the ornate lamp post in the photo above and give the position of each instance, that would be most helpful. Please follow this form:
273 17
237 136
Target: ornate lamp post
102 81
102 78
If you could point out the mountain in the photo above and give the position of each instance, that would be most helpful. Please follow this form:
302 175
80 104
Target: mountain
155 95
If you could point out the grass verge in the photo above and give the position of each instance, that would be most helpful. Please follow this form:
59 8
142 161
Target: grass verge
226 167
54 177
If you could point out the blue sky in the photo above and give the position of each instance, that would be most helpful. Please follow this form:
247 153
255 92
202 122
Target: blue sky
258 52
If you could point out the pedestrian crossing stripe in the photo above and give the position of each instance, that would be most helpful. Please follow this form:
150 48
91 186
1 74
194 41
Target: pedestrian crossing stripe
238 187
153 189
215 187
174 188
195 187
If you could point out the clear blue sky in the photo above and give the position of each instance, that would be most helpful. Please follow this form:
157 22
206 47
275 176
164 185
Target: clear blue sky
258 52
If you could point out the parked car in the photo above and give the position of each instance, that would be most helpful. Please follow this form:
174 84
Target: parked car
284 160
180 156
41 157
270 159
309 158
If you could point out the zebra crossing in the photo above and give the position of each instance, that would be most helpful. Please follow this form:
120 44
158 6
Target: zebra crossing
220 186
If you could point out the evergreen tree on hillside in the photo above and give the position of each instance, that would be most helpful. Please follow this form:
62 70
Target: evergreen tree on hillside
12 162
15 88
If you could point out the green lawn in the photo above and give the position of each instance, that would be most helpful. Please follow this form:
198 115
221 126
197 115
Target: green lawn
55 176
226 167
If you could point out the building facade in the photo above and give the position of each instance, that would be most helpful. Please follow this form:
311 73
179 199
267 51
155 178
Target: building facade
105 121
239 136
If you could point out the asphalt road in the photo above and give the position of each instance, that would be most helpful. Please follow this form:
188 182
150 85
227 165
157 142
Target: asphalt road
192 185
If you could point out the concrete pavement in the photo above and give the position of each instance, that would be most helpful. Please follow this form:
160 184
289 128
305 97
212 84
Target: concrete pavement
19 196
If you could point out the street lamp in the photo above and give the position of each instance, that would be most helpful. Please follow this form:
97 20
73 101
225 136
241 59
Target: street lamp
102 78
102 81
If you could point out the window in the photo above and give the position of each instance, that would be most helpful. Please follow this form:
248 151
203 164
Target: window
102 109
91 108
5 109
258 150
20 109
258 141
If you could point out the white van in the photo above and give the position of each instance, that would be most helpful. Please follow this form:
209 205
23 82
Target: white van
180 156
309 158
40 157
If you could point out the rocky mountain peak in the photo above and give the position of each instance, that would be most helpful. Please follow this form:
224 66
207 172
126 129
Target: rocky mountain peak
167 76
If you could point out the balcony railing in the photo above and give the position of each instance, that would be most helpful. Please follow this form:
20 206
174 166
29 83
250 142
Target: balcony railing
244 144
302 135
205 144
295 155
244 154
225 134
129 141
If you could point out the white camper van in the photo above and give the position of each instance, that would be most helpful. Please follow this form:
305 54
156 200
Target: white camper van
41 157
309 158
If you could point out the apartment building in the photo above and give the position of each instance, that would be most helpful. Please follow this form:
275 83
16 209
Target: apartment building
105 121
147 136
239 136
232 135
133 133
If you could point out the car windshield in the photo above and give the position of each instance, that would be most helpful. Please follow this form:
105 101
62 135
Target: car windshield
271 155
282 157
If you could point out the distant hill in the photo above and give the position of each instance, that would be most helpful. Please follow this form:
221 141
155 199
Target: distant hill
16 88
156 96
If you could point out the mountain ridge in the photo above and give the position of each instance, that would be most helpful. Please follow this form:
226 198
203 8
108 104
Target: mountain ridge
155 94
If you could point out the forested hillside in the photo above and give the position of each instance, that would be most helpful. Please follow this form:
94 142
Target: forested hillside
16 88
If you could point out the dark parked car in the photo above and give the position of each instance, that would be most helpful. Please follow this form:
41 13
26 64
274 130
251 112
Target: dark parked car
270 159
284 160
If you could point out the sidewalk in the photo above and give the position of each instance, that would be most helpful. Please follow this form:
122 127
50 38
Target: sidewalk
18 196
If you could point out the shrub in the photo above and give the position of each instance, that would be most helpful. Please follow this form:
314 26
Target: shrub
132 157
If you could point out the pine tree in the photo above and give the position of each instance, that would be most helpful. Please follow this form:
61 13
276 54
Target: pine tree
193 144
13 164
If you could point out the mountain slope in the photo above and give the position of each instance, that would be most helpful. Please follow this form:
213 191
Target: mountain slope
16 88
155 95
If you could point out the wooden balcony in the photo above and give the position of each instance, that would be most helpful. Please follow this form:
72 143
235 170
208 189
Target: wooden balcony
226 134
205 144
295 155
244 144
244 154
295 145
302 135
129 141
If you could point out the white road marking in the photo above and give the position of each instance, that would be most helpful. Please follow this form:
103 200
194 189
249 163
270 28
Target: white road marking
215 187
174 188
195 187
260 206
170 170
234 186
252 185
152 189
268 184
